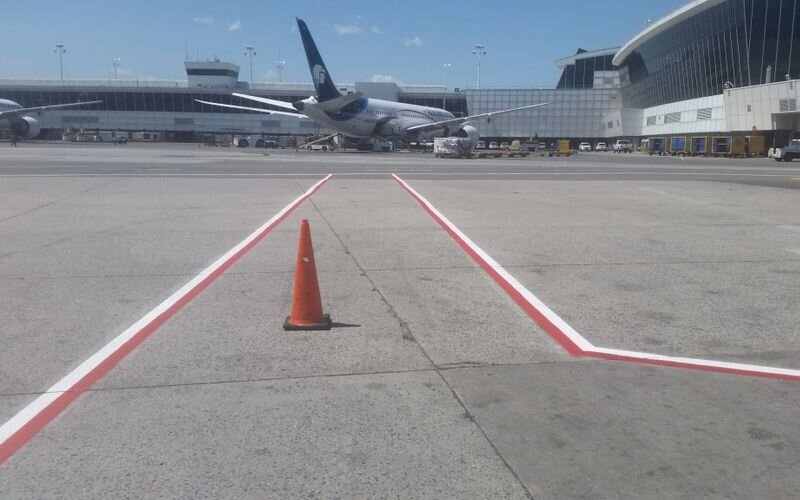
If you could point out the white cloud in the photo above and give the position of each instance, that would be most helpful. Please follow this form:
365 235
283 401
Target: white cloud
270 76
235 26
382 78
376 30
204 20
413 42
346 29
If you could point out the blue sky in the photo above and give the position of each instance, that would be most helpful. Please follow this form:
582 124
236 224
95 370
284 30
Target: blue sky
407 41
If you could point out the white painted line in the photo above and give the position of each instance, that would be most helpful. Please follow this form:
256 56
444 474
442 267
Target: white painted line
563 333
31 419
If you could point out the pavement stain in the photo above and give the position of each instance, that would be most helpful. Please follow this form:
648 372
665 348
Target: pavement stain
760 434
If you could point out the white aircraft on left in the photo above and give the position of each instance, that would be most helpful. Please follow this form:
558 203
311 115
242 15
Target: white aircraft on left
15 118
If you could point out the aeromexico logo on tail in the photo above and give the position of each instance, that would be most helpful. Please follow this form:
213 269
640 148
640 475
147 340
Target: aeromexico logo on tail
319 75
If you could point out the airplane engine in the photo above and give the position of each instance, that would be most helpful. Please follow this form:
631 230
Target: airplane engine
469 132
26 127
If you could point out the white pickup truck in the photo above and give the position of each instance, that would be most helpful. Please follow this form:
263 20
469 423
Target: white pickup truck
623 146
788 153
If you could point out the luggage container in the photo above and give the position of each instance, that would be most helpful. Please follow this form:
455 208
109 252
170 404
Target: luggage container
721 146
563 149
738 146
453 147
656 145
699 146
677 145
756 146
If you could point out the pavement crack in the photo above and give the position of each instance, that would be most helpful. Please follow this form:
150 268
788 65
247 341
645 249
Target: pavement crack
286 377
405 329
73 195
408 335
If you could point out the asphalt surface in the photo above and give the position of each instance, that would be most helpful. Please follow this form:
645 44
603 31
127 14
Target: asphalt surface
434 383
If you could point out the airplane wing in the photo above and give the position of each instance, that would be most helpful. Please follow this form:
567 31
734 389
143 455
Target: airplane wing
246 108
272 102
24 111
456 121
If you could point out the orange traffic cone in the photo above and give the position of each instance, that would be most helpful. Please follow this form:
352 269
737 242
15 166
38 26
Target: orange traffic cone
306 302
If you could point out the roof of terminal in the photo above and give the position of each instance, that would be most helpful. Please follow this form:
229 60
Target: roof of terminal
162 85
691 9
566 61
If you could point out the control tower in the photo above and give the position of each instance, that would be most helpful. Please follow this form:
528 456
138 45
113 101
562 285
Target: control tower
212 74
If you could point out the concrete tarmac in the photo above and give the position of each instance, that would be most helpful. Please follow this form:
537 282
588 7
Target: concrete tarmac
433 383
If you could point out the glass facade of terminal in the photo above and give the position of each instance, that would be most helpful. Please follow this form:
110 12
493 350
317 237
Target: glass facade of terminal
572 113
181 101
736 43
581 74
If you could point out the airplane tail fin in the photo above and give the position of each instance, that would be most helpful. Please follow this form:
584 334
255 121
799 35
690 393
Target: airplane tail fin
326 89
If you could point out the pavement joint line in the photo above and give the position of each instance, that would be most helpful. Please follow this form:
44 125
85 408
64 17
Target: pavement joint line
317 376
238 381
592 264
74 195
111 276
23 426
408 335
558 329
290 175
166 275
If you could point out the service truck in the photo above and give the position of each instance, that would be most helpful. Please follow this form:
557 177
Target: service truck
788 153
453 147
623 146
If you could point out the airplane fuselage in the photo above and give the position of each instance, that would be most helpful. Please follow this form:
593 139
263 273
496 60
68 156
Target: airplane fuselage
367 117
6 105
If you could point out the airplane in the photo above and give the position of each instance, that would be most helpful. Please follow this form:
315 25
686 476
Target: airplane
356 116
15 118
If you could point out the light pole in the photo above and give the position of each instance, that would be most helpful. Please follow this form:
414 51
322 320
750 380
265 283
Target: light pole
250 51
115 62
444 83
279 64
480 50
60 50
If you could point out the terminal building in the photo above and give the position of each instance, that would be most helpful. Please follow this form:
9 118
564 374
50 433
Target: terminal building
710 68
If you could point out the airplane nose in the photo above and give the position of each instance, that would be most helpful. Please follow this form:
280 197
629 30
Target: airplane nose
299 105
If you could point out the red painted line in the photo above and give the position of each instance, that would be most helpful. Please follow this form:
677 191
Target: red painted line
692 366
526 306
566 341
45 415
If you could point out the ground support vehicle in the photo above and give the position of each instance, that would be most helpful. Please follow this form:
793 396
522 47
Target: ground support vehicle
789 152
453 147
501 154
623 146
562 149
463 147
